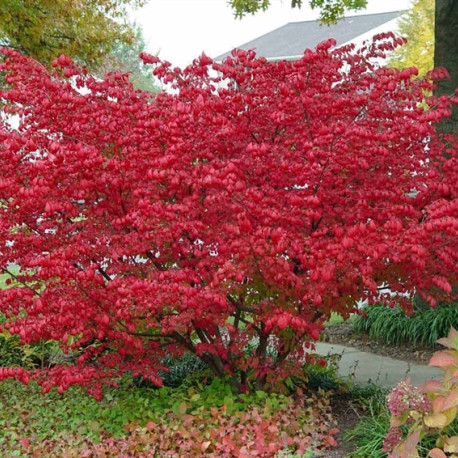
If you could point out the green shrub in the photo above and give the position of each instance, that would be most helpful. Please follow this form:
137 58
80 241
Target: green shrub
182 369
13 354
324 377
370 397
392 326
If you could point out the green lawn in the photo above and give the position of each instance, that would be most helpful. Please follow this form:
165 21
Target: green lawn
337 319
3 278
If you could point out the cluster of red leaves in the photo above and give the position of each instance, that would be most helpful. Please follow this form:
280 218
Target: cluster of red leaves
257 431
251 200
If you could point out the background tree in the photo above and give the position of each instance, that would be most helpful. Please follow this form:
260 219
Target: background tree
330 10
417 25
124 58
446 55
85 30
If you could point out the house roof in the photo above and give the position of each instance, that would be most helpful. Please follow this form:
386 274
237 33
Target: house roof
291 40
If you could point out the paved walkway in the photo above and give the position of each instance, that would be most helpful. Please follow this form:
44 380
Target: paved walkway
363 367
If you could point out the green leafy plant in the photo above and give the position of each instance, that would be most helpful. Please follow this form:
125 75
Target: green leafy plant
29 356
370 397
181 370
322 372
13 354
394 327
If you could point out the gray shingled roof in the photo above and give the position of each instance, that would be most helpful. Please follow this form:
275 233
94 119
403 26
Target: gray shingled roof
292 39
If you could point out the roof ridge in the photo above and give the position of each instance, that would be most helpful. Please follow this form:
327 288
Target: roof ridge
292 38
347 17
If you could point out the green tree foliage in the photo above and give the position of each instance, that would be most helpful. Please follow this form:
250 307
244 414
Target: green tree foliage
330 10
85 30
124 58
417 25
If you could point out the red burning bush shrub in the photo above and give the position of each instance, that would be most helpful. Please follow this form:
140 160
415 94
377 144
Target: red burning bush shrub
237 209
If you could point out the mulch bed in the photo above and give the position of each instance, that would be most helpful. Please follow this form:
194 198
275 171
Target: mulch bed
347 415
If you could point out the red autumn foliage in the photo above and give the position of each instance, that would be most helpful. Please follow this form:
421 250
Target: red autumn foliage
245 203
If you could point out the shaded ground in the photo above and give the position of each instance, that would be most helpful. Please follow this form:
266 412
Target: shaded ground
344 334
347 415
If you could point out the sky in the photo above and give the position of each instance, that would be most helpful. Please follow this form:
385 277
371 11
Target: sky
180 30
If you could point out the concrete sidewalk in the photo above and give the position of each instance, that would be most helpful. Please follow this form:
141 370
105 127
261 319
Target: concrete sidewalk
363 367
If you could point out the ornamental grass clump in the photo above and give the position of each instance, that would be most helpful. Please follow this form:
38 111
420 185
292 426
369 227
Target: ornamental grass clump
393 326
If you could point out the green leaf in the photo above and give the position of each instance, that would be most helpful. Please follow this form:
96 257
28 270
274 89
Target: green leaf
182 407
94 426
228 401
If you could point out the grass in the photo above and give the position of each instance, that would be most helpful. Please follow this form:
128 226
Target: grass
335 318
3 278
393 327
368 435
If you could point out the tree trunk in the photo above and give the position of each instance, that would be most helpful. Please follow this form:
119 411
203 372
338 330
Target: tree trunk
446 55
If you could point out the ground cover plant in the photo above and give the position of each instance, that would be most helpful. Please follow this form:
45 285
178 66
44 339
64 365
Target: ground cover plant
205 417
234 212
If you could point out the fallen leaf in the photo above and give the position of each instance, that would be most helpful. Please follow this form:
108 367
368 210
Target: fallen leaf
205 445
